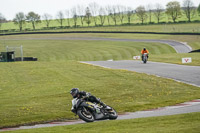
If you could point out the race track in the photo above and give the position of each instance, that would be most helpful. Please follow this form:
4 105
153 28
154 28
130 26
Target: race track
186 74
180 47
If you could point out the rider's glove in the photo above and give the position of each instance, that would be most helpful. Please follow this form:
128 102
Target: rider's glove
88 94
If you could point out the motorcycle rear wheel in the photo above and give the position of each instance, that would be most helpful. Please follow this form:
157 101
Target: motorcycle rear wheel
86 116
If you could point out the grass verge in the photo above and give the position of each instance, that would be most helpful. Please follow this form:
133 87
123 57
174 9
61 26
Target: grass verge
184 123
39 91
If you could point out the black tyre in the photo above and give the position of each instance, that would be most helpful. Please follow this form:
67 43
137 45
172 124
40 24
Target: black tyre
85 115
112 114
145 60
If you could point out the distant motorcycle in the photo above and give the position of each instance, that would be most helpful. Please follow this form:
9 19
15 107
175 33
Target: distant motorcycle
144 59
90 112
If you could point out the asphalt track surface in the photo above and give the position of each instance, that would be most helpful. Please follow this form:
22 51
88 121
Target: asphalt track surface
180 47
186 74
187 107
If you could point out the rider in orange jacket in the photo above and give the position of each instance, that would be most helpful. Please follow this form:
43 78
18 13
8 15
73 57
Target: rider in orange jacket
144 50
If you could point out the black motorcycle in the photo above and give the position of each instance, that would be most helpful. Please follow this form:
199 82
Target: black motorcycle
90 112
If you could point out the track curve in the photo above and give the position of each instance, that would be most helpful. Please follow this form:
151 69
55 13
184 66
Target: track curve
187 107
180 47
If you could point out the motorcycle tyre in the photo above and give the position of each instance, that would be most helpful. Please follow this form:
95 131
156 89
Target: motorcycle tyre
113 117
145 60
81 116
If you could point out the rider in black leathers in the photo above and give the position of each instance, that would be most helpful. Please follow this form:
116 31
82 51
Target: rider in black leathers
82 94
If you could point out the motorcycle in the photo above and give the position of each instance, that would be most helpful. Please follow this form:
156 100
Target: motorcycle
90 112
144 59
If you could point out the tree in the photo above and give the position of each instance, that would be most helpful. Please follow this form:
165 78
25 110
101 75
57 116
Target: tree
33 18
141 13
74 15
60 18
19 20
121 12
189 9
114 14
102 15
173 9
149 10
158 12
2 20
47 19
94 8
88 16
129 14
198 9
81 13
68 16
108 12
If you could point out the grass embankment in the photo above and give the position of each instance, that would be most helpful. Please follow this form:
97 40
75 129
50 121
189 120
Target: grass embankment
161 28
101 50
59 49
184 123
39 91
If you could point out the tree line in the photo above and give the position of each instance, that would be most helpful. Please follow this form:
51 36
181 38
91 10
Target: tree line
95 13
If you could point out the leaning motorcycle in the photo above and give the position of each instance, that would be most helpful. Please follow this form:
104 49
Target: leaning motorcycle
90 112
144 59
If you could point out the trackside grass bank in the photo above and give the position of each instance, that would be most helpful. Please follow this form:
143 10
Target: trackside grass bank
34 92
184 123
56 47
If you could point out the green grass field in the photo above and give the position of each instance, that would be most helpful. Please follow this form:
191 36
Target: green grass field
39 91
169 28
62 50
34 92
185 123
167 25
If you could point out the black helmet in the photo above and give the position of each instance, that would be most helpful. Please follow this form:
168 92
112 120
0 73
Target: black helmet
74 92
144 48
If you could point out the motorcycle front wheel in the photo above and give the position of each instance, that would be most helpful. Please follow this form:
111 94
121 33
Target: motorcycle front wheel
112 114
85 115
144 59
